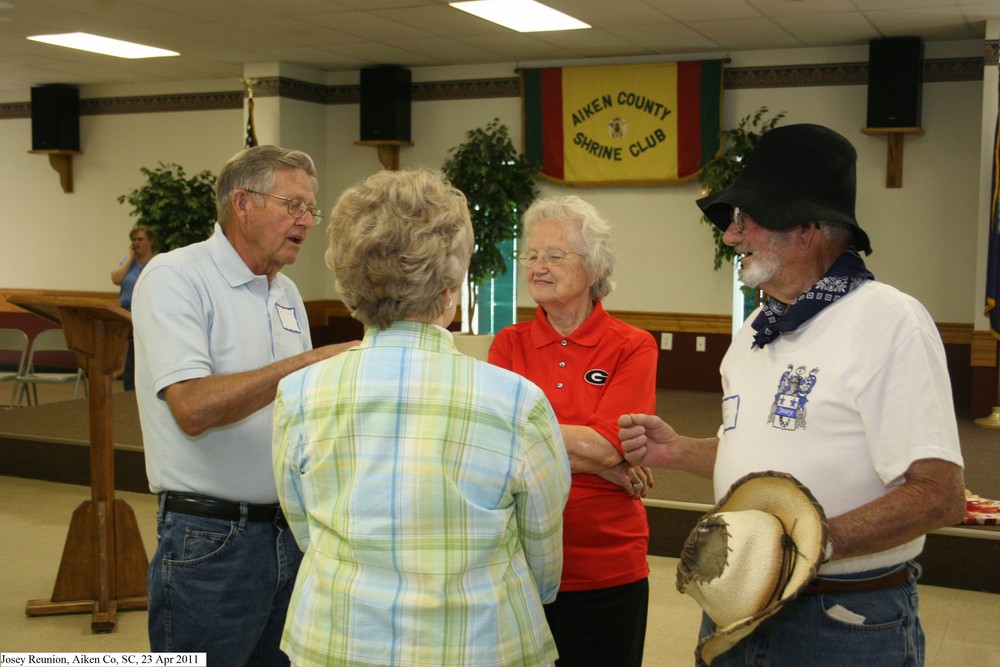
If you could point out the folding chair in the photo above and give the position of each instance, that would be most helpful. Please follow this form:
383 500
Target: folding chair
50 340
13 345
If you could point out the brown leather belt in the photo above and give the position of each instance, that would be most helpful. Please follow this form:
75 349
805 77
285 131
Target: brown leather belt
821 586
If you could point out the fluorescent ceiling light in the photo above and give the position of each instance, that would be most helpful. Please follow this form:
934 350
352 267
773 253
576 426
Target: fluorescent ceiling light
97 44
520 15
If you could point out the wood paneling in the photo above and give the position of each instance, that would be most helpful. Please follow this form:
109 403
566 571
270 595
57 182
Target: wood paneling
650 321
972 355
984 349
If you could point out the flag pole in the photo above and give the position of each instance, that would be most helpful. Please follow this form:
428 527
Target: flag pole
993 267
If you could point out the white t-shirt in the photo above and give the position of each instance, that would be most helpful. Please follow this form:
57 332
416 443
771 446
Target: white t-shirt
845 403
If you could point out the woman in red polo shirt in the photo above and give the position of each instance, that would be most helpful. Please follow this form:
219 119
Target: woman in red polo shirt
593 368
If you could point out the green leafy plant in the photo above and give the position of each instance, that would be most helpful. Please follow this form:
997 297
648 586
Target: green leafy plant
499 184
720 172
180 209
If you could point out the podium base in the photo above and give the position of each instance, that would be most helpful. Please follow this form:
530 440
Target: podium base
100 621
103 568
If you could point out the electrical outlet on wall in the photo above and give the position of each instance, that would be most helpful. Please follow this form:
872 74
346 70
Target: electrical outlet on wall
699 344
666 341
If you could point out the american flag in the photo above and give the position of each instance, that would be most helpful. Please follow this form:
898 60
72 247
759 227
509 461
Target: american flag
251 139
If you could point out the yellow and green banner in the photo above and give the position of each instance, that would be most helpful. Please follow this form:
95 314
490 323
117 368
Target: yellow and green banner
622 124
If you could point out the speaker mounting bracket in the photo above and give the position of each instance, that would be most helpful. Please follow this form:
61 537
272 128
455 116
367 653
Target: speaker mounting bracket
388 151
894 151
62 163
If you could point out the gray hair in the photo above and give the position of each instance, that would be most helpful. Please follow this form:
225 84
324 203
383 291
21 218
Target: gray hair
593 236
837 233
396 241
254 169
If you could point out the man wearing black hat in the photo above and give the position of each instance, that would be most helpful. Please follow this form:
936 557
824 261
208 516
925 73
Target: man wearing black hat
838 380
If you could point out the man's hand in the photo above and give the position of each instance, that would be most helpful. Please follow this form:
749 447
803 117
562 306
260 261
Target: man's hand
649 441
646 439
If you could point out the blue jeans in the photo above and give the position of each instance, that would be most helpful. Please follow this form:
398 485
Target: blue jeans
810 631
221 587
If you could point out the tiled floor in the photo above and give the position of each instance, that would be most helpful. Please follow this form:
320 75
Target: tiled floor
961 626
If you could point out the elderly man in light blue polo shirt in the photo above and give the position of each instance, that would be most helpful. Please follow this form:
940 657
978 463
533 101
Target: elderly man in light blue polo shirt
216 327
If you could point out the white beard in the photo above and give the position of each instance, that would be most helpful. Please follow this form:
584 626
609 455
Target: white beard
766 263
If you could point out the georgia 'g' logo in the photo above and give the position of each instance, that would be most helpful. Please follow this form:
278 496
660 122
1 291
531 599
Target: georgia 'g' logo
596 376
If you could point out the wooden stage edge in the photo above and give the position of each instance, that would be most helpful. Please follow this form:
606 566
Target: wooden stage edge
950 560
68 463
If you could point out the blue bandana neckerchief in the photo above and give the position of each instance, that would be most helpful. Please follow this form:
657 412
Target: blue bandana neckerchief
775 318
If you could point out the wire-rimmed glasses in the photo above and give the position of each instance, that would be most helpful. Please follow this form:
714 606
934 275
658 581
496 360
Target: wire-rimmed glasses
551 258
296 207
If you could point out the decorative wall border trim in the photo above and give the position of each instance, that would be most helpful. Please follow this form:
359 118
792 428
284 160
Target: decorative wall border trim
792 76
844 74
143 104
734 78
157 103
467 90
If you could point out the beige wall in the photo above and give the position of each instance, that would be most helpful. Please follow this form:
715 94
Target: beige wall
926 234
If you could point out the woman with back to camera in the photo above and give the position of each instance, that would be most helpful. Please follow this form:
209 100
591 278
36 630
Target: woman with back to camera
593 368
426 488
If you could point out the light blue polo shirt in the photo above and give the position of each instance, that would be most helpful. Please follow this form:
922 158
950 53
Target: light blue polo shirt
199 311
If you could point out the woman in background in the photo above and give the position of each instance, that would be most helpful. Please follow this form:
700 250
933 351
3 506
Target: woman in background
141 249
593 368
426 488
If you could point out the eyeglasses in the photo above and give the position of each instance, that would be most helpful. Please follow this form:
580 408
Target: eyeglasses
739 219
552 258
296 207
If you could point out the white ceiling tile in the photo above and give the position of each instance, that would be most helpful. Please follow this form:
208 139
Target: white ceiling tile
218 37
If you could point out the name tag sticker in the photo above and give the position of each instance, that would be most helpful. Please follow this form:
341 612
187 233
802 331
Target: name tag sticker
288 320
730 412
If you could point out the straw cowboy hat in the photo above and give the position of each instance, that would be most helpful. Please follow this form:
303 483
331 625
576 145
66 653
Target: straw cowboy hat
750 554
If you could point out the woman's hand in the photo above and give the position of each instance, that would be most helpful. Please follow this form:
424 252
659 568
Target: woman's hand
634 479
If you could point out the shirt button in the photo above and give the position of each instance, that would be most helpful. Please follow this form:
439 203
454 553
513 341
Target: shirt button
559 385
564 342
562 364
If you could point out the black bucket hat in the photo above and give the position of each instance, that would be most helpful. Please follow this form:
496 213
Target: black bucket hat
796 174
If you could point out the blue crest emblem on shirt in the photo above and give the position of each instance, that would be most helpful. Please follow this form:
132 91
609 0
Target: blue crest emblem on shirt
596 376
788 412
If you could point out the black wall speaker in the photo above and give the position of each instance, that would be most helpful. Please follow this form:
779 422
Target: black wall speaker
385 104
55 118
895 81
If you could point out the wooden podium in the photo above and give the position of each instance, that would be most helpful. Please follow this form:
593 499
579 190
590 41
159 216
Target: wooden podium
104 562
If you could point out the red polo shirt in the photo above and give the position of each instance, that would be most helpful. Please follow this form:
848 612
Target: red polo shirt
602 370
